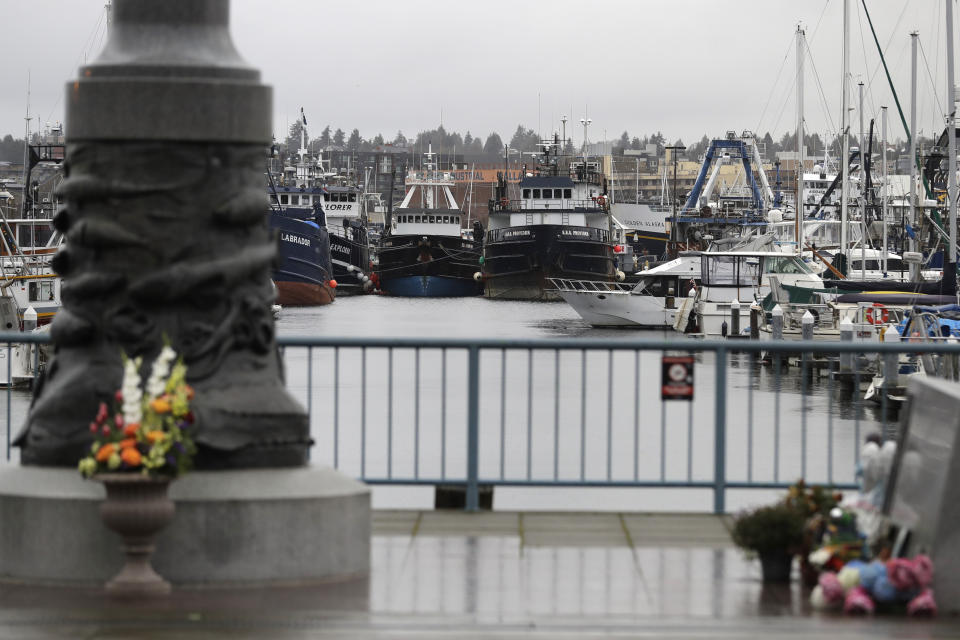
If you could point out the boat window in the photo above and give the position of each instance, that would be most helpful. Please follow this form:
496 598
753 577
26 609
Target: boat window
431 220
353 197
305 200
46 290
33 291
547 193
284 199
526 193
741 271
785 264
446 219
416 218
567 193
895 264
456 219
660 286
872 265
326 197
536 193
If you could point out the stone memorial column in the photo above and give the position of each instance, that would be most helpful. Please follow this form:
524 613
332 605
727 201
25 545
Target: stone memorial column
167 237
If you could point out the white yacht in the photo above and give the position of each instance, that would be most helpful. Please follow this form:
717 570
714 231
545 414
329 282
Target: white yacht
650 303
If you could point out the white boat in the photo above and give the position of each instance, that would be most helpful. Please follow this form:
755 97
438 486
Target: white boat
743 276
650 303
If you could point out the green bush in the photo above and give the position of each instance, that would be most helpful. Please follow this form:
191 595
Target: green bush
777 527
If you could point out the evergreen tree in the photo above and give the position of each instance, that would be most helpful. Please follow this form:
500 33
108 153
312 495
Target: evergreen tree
325 137
635 143
400 139
378 140
493 145
623 143
292 142
338 137
353 144
467 139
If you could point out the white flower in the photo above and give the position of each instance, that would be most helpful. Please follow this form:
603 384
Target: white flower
161 369
817 599
132 395
819 557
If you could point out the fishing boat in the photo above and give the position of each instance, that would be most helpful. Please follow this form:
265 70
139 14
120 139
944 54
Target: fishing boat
422 252
556 224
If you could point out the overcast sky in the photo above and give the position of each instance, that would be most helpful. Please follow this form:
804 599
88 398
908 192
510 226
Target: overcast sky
684 67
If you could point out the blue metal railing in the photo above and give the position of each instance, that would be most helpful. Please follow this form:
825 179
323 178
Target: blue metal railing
531 413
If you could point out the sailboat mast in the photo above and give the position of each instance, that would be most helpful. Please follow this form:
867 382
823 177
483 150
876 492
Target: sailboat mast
914 268
883 191
863 195
952 140
845 153
798 227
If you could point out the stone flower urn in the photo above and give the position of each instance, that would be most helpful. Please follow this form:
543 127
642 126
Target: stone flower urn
137 508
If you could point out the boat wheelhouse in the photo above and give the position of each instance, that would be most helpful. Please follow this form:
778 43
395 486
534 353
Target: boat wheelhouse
423 252
555 224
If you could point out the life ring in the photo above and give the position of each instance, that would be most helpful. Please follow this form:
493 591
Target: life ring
877 314
504 202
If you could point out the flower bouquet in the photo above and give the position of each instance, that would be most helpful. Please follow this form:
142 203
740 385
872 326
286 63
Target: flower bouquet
147 431
138 448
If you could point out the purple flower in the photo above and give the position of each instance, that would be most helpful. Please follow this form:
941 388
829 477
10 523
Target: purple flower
171 460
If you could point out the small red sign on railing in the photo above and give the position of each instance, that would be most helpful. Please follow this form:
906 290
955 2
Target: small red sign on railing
677 378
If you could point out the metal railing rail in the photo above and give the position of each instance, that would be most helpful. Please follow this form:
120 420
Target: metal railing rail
482 383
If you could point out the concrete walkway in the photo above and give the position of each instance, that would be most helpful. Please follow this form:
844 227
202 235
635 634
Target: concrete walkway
486 575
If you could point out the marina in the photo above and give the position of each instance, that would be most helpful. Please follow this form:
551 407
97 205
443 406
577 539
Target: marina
560 383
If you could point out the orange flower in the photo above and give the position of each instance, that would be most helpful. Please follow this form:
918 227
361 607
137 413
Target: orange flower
106 451
155 436
126 443
130 430
160 405
131 456
189 391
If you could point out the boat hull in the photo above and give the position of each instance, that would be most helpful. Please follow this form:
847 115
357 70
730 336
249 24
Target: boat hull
302 271
429 266
620 309
350 259
519 260
431 287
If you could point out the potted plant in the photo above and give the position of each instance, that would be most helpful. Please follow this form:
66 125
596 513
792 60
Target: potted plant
139 448
774 533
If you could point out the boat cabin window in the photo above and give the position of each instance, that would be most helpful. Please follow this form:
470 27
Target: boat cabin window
456 219
786 264
547 193
446 219
526 193
40 291
416 218
872 265
738 271
660 286
894 264
536 193
352 197
431 220
284 199
568 193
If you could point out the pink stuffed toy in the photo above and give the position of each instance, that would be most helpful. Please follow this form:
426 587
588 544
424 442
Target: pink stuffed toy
832 589
902 574
858 602
923 604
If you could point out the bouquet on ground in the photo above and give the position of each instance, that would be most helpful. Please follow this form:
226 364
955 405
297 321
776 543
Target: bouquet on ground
148 429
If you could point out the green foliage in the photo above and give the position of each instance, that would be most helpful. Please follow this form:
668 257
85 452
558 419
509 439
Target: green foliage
776 527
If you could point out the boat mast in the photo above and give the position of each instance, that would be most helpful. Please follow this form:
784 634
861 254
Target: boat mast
863 195
952 157
883 191
26 150
914 268
798 215
845 157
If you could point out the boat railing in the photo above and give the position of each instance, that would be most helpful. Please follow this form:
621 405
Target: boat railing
590 286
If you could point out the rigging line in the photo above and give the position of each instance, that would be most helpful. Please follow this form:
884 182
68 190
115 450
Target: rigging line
933 85
820 19
773 88
81 57
868 85
823 97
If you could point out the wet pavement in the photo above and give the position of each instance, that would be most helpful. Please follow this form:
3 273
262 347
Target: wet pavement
442 574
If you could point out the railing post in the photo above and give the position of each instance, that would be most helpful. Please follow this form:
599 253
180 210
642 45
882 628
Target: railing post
473 428
720 434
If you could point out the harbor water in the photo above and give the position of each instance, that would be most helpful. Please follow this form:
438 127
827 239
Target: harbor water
547 416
